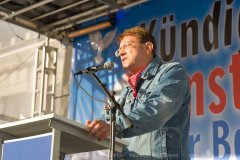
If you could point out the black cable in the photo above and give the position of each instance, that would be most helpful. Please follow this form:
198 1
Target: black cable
19 37
15 32
65 95
88 94
15 69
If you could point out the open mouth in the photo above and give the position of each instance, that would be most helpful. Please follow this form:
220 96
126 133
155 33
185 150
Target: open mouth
123 59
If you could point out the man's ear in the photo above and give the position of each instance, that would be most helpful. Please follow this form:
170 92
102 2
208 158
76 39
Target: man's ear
149 47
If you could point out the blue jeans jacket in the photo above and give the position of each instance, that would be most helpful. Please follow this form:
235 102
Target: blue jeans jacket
160 114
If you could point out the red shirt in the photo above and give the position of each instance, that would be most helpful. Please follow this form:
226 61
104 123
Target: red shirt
133 81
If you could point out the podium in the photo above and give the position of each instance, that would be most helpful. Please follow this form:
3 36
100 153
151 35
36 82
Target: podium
52 134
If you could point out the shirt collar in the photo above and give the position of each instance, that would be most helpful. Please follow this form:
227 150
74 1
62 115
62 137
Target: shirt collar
150 70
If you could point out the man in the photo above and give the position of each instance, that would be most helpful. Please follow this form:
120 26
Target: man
156 101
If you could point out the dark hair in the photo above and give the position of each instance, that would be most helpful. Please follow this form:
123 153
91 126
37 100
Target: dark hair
142 34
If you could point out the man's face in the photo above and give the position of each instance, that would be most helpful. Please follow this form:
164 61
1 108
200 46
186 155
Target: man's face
132 53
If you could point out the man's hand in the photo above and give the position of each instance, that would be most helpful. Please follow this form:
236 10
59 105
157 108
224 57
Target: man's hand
99 129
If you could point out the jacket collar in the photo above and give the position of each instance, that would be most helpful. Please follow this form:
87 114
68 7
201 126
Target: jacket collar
152 68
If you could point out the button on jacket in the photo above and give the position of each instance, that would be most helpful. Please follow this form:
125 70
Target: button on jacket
160 114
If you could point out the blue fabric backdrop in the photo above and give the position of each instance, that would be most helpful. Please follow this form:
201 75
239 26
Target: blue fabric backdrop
202 35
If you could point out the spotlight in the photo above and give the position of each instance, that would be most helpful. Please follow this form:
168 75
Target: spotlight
93 28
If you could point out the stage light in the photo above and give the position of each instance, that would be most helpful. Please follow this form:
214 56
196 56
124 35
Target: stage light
90 29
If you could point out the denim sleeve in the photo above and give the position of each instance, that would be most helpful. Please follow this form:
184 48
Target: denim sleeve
106 116
163 101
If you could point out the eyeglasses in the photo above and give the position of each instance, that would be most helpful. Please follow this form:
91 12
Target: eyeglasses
125 46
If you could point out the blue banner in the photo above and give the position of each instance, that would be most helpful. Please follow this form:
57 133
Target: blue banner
202 35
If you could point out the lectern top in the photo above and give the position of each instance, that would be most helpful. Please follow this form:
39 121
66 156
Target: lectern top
73 134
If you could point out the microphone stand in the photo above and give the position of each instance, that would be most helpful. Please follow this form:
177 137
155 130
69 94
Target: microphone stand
113 106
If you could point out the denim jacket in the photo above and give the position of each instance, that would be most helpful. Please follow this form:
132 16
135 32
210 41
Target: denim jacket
160 114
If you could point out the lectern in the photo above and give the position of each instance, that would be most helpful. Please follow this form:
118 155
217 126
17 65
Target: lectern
46 137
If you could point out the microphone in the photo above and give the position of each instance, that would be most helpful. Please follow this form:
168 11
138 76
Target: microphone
105 66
